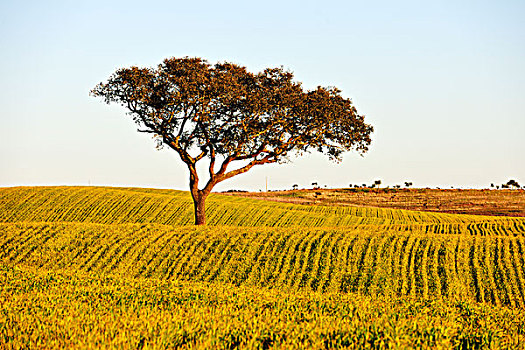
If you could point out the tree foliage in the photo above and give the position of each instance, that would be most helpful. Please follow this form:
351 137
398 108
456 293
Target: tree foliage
230 116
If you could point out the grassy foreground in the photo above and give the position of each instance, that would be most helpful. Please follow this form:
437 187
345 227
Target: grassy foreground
43 309
88 267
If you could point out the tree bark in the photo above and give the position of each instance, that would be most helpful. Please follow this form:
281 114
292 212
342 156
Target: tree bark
199 200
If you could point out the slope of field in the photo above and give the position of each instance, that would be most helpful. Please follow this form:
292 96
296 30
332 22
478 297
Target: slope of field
347 275
124 205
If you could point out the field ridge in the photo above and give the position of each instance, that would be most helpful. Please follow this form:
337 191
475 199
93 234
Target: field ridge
129 205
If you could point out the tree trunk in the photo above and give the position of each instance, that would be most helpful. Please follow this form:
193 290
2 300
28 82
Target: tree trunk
199 200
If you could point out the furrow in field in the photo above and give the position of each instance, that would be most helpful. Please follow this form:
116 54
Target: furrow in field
454 286
116 261
338 282
510 273
491 293
188 250
406 265
29 252
154 252
306 260
319 261
286 262
223 259
237 271
517 269
394 263
475 270
332 255
122 259
519 227
373 276
423 275
193 261
503 282
465 277
384 280
416 270
187 239
442 276
157 265
20 235
103 258
434 283
97 249
138 254
355 259
197 262
294 262
276 259
272 265
247 272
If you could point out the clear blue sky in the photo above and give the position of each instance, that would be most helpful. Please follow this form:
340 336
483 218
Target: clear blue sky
442 82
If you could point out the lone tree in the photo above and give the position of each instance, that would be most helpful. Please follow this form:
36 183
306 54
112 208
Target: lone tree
233 118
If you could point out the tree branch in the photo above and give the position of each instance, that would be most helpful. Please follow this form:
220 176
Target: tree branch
185 119
212 162
260 150
200 156
224 165
267 159
194 180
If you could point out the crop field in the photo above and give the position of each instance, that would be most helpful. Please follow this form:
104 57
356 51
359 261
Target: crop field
64 309
457 201
124 267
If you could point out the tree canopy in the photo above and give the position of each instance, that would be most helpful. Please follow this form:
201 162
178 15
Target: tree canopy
229 116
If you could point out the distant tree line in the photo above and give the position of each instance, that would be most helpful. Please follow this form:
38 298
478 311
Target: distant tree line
407 184
510 184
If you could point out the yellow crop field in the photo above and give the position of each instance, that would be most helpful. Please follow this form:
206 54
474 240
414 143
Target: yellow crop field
486 269
106 205
44 309
122 267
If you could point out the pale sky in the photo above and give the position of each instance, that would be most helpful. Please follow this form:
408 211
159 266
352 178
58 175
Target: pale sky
442 82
